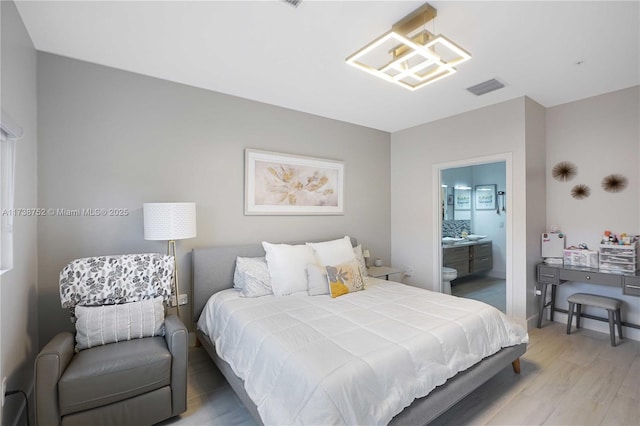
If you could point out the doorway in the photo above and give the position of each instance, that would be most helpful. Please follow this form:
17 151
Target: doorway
473 227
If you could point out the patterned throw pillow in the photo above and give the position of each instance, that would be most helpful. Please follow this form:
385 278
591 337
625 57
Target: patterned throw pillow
357 252
344 278
251 277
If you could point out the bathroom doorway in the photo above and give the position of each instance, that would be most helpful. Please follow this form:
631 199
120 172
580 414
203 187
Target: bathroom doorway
473 227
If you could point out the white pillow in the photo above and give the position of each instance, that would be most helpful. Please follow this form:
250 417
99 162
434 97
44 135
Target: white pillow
357 252
99 325
251 277
333 252
317 278
288 267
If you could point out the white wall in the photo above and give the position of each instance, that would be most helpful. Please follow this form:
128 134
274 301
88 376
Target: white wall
18 286
495 130
601 136
110 138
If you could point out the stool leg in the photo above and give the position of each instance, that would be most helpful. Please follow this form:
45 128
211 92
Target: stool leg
570 318
611 329
578 314
619 322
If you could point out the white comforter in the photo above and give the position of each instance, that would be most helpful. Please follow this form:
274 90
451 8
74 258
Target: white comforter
358 359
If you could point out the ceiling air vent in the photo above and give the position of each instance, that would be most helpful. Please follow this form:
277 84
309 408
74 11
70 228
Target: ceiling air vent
293 3
485 87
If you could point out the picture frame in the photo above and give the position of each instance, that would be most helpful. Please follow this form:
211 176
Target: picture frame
450 199
462 198
287 184
485 197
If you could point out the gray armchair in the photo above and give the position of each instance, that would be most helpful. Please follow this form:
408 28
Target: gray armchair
141 381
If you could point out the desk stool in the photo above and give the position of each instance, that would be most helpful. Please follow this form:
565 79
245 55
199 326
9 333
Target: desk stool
609 303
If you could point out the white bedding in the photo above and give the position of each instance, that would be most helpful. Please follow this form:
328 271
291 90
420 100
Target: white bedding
358 359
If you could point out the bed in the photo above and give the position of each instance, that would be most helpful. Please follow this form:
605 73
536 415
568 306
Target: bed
213 270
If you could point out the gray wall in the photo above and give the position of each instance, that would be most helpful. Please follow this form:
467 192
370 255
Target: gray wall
111 138
495 130
18 286
600 135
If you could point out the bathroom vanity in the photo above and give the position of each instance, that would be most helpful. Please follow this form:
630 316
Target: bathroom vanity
468 257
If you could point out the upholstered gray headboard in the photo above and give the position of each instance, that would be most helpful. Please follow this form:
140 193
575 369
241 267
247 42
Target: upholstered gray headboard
213 269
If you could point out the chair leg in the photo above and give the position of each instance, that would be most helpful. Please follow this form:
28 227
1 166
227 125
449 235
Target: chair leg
619 322
570 317
611 329
578 314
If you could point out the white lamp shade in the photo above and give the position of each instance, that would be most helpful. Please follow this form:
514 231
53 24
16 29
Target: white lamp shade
169 221
366 253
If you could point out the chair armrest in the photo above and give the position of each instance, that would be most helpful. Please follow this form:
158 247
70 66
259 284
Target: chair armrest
177 339
50 364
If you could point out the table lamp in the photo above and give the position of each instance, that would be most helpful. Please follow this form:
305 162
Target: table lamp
170 222
366 255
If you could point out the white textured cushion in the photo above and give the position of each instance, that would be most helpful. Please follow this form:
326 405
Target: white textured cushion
357 252
99 325
251 277
288 267
317 278
333 252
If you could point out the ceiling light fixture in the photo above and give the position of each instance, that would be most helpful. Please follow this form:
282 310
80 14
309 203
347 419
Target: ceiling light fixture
413 57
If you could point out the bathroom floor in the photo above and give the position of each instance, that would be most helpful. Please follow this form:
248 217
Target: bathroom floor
486 289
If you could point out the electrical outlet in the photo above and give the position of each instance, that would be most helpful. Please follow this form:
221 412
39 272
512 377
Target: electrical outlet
183 299
538 292
4 388
408 271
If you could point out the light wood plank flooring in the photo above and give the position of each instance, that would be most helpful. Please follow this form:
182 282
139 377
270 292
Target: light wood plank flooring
576 379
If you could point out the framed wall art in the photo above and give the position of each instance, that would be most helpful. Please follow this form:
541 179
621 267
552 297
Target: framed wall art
485 197
462 198
285 184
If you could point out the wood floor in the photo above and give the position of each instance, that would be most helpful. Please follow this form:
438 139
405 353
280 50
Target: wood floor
576 379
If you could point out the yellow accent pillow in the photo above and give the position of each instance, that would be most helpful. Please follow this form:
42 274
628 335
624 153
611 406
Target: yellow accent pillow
344 278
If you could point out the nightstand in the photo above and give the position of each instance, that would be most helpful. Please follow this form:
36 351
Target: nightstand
384 272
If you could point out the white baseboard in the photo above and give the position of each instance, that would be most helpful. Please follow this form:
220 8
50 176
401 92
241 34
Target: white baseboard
595 325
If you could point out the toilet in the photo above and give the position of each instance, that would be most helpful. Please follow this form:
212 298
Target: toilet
448 275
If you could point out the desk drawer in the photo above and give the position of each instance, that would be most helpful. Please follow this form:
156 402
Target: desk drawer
547 275
631 286
585 277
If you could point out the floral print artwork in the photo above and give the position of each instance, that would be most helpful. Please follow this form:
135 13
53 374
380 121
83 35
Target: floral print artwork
296 185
